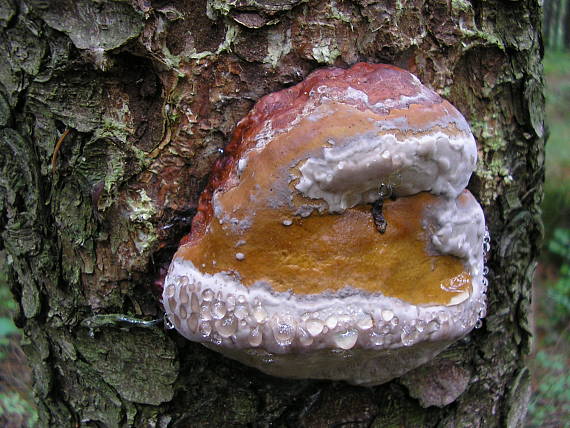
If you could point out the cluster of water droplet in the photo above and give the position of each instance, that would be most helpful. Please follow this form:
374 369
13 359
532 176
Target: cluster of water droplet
238 321
481 301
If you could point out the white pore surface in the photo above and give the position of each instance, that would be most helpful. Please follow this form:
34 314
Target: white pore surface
352 173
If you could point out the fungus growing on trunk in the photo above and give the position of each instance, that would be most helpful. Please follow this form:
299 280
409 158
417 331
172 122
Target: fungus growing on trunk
335 238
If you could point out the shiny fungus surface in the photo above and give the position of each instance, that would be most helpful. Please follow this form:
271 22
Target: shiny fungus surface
336 238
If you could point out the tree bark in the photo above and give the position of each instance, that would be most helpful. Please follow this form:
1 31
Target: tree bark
112 113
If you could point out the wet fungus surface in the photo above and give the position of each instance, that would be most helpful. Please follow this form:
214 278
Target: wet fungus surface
335 238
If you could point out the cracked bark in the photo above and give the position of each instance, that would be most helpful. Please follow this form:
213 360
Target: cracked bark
149 91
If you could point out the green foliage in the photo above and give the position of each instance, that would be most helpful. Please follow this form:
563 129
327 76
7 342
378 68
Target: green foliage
556 205
556 62
7 303
7 307
16 407
16 410
559 292
551 403
7 328
551 398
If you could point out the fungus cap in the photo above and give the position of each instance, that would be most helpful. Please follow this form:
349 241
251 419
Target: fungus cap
286 269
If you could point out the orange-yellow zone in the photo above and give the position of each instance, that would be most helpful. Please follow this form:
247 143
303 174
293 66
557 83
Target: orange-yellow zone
329 252
325 252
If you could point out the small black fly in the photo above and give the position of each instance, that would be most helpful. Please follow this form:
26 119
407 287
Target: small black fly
380 222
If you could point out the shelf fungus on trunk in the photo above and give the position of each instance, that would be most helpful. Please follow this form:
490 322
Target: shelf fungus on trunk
335 239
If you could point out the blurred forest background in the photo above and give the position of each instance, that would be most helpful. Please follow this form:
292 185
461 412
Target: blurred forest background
550 360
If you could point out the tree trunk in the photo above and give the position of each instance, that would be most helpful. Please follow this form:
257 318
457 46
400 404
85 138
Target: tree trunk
112 113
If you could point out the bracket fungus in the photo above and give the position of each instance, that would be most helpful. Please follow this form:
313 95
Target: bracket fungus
336 239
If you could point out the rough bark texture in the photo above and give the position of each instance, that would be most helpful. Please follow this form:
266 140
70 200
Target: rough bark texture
150 92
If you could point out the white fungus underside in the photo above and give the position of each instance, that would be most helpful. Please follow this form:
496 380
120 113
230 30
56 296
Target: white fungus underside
286 329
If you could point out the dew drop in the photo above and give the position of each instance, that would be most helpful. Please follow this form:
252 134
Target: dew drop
284 331
194 304
240 256
305 338
205 312
420 325
227 326
346 339
479 324
207 295
409 336
395 321
331 322
168 325
259 313
387 315
365 323
205 328
216 339
192 322
433 326
255 337
287 222
384 191
170 290
241 299
231 302
241 311
218 310
197 287
183 295
376 338
183 281
314 326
